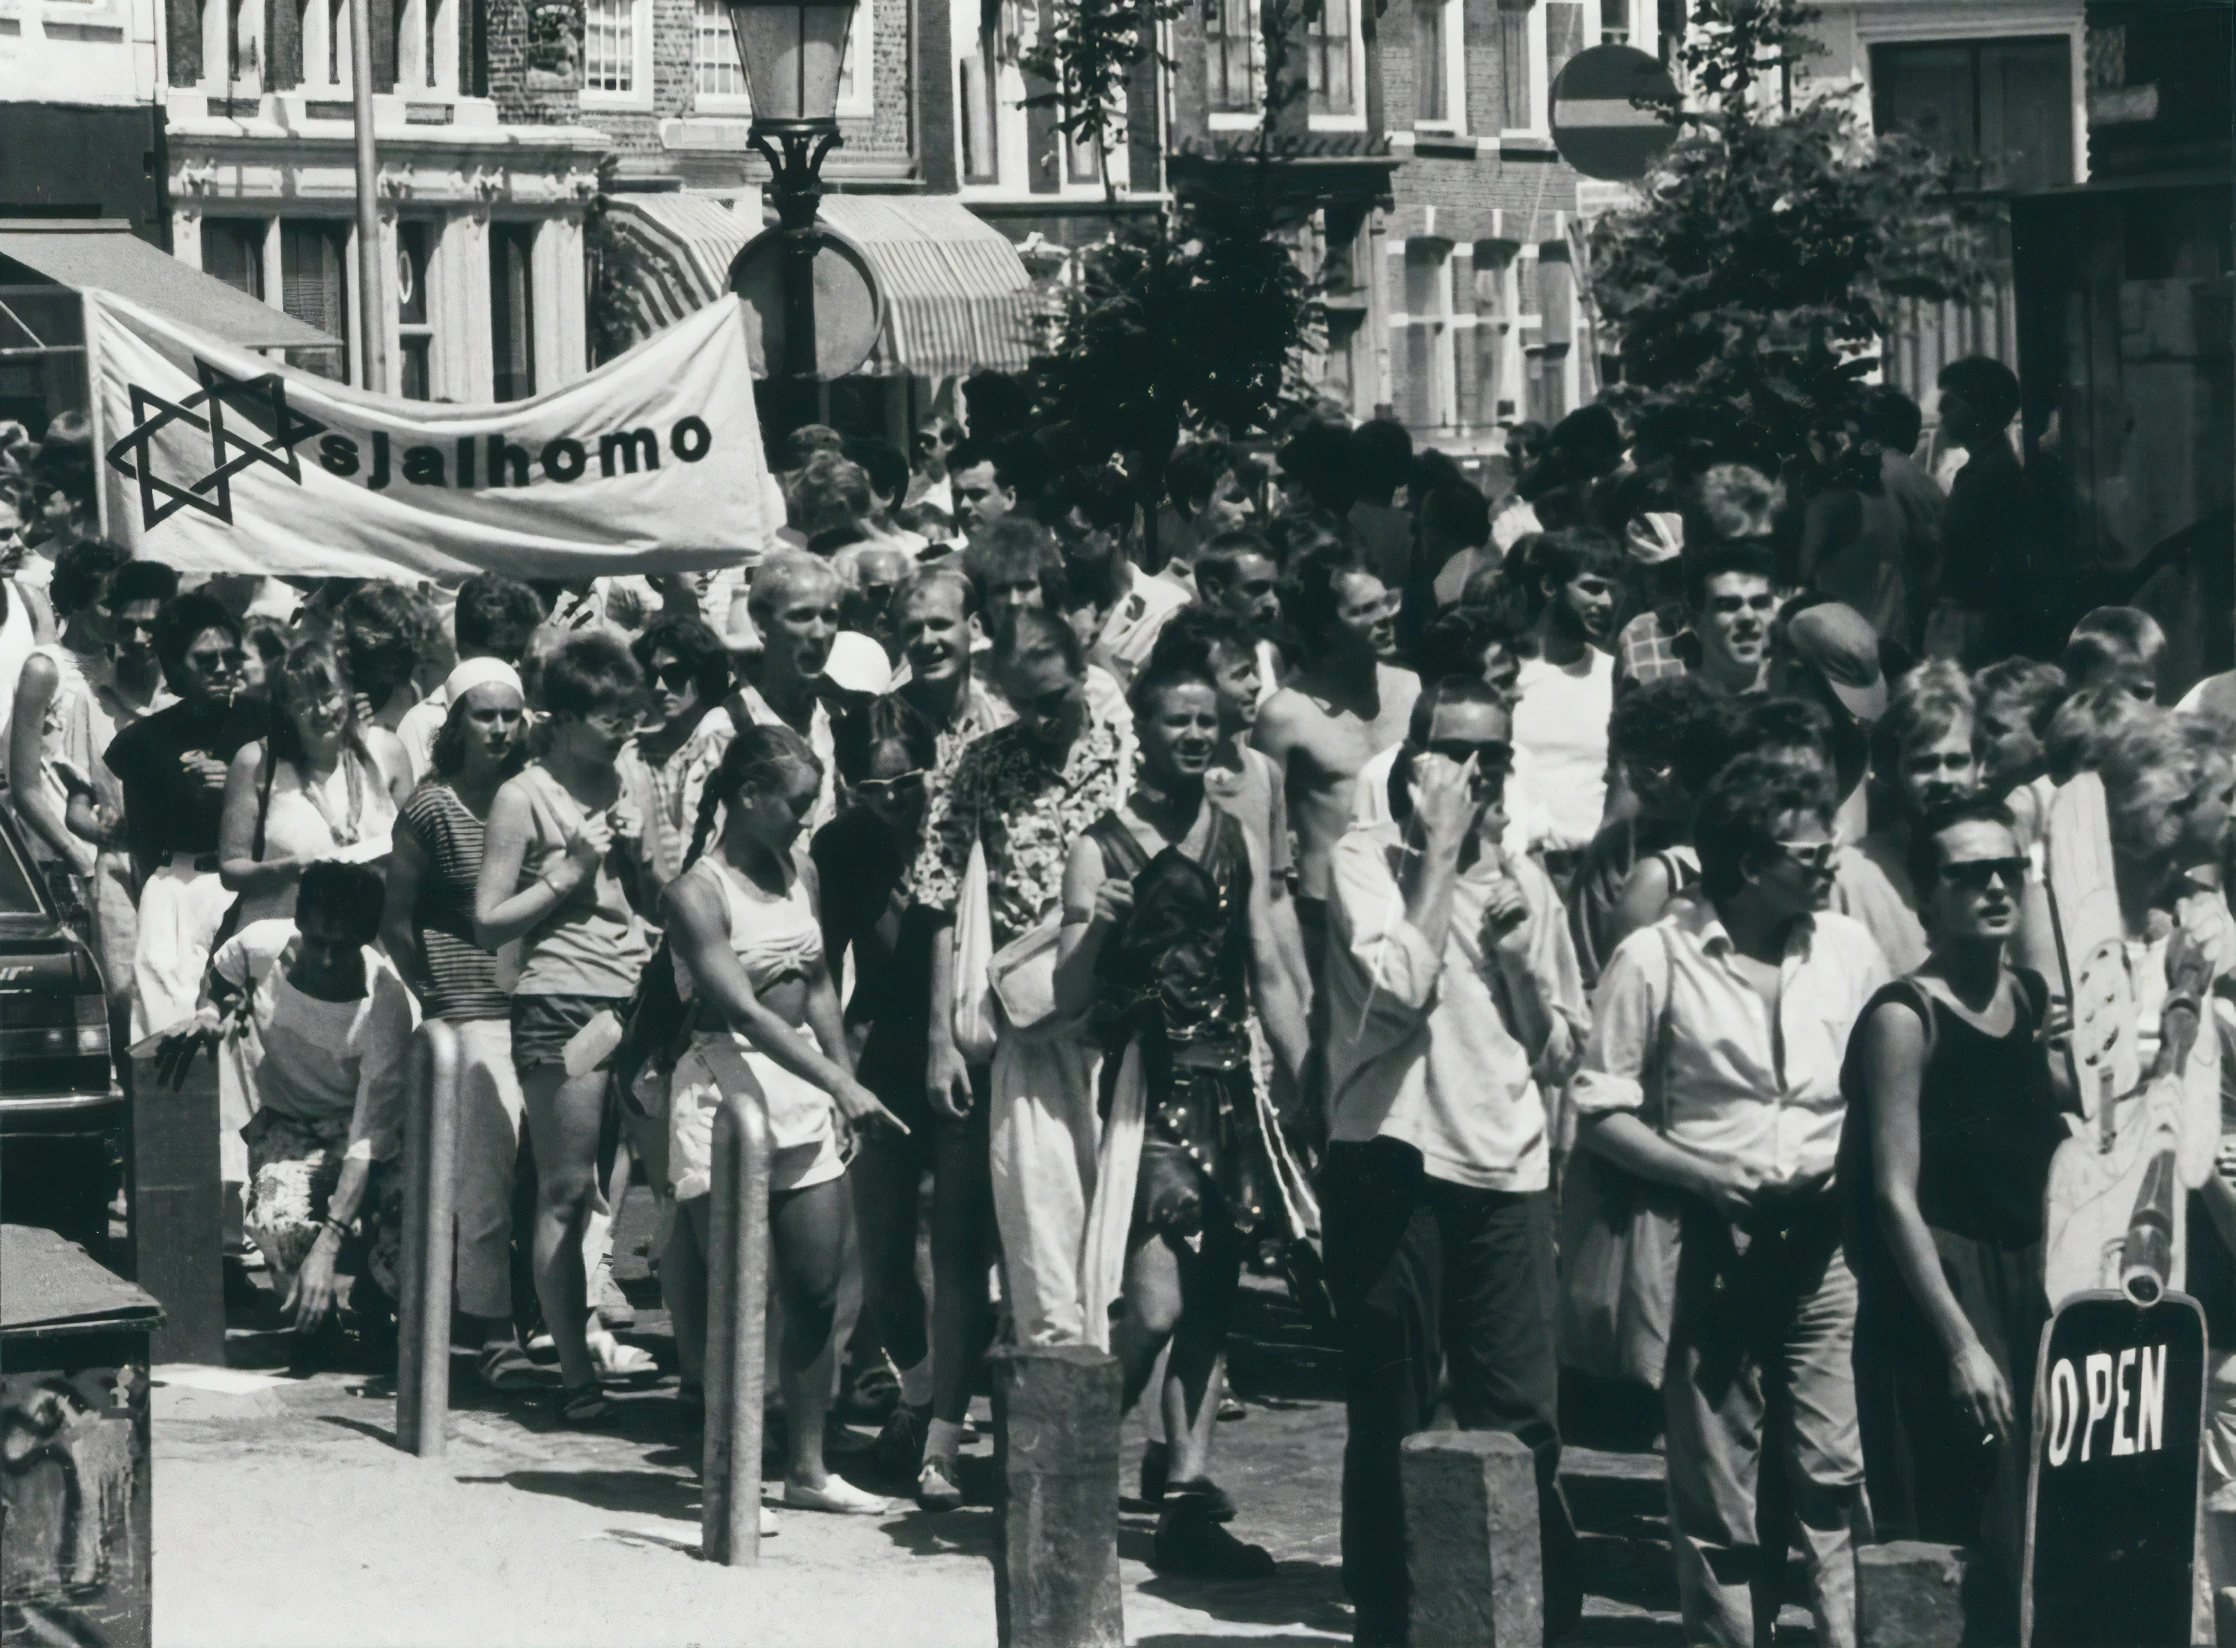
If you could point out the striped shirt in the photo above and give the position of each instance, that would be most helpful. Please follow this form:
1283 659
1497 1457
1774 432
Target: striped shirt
462 975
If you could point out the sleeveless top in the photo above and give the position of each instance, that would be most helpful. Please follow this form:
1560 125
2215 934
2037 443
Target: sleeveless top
1178 970
773 938
592 944
1988 1119
462 976
349 814
71 740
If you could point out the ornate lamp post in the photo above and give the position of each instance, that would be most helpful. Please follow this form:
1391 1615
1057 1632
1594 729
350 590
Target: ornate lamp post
793 51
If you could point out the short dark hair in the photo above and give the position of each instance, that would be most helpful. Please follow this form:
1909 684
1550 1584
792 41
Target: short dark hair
183 618
1563 557
1450 692
1662 718
695 646
885 465
2034 687
1457 638
1458 512
496 615
351 893
1290 535
1739 815
1319 455
1924 858
381 633
1380 454
1168 668
83 572
1193 473
142 581
999 403
1021 464
1766 723
1098 492
1892 419
1991 387
1713 560
1028 634
1311 594
1216 558
589 671
1195 633
2109 637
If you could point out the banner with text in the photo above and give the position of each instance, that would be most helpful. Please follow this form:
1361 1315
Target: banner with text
217 459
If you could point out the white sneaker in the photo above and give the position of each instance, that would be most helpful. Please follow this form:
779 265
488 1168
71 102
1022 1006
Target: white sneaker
838 1496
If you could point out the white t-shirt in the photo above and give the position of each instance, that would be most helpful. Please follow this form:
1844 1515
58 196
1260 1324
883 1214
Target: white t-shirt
1561 720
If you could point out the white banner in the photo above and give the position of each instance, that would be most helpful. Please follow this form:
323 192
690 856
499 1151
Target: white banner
221 460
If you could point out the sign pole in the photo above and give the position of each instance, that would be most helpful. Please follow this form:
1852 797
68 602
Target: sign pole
372 364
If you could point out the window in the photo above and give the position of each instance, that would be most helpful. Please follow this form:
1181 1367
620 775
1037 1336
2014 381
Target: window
1430 370
337 37
1230 47
1521 66
1327 56
2005 103
415 338
512 302
609 47
719 72
981 153
314 288
1083 161
233 251
1438 52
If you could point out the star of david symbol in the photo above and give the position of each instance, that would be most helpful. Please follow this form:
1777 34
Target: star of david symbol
260 403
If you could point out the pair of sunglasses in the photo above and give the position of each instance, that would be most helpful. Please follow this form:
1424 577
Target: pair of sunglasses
900 787
1974 874
1488 756
676 678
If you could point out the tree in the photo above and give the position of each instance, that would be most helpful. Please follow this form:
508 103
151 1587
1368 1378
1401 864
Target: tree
1756 277
1089 58
1195 318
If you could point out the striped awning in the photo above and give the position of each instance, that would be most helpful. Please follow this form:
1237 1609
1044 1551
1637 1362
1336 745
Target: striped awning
956 295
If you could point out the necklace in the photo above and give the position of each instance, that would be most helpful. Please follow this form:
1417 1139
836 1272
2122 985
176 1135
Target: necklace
344 830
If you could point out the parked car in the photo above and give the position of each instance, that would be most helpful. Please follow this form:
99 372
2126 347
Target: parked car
62 1114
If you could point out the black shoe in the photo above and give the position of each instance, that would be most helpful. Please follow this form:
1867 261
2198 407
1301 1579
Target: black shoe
1204 1496
1190 1543
899 1449
871 1391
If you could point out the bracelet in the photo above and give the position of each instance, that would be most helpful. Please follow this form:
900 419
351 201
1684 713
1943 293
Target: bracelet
340 1231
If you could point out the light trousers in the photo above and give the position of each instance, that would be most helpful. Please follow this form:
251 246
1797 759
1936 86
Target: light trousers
1043 1130
490 1106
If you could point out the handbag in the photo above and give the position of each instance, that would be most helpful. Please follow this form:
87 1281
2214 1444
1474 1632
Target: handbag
972 1009
1619 1245
1022 976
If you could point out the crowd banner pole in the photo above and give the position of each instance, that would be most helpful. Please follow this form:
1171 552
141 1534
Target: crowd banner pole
429 1241
737 1334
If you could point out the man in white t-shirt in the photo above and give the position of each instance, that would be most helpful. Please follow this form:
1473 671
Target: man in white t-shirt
1567 692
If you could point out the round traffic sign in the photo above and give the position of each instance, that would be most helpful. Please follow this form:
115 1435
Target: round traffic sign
848 310
1598 125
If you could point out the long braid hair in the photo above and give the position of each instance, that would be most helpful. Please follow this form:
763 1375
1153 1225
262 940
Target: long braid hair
758 757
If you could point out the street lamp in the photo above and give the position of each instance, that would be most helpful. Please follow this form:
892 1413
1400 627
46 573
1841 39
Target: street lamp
793 51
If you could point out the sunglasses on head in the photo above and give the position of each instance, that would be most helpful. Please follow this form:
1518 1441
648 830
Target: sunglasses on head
1974 874
1813 856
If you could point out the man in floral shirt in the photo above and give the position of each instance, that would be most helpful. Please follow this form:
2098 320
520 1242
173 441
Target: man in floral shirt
1023 793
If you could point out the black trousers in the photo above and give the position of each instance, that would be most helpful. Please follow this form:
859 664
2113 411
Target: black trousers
1436 1279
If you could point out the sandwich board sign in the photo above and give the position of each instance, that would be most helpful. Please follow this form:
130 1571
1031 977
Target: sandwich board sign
2111 1533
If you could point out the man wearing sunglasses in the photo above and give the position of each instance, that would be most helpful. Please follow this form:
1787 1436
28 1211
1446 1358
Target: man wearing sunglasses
172 766
1736 1007
1453 1000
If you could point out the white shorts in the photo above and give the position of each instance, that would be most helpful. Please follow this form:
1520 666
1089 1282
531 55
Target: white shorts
803 1119
181 909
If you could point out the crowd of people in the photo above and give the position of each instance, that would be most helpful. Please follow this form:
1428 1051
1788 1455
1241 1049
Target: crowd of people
1333 871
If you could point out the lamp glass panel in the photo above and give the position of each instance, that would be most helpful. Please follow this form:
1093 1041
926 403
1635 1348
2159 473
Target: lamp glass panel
793 57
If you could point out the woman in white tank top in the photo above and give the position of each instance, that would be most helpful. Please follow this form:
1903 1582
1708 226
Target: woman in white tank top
749 955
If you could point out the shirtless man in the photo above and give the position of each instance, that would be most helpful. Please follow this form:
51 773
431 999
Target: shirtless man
1347 703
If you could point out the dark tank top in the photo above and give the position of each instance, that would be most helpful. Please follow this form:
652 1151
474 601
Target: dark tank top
1988 1119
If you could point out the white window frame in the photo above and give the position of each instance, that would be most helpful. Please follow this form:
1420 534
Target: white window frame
1355 121
216 20
702 102
1452 24
1442 393
859 102
319 34
1540 94
639 95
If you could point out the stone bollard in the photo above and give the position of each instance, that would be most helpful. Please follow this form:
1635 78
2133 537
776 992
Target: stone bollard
177 1203
737 1331
1056 1447
1910 1594
1472 1543
430 1241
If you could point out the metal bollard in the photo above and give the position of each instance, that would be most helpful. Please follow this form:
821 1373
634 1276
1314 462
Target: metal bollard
430 1240
737 1333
